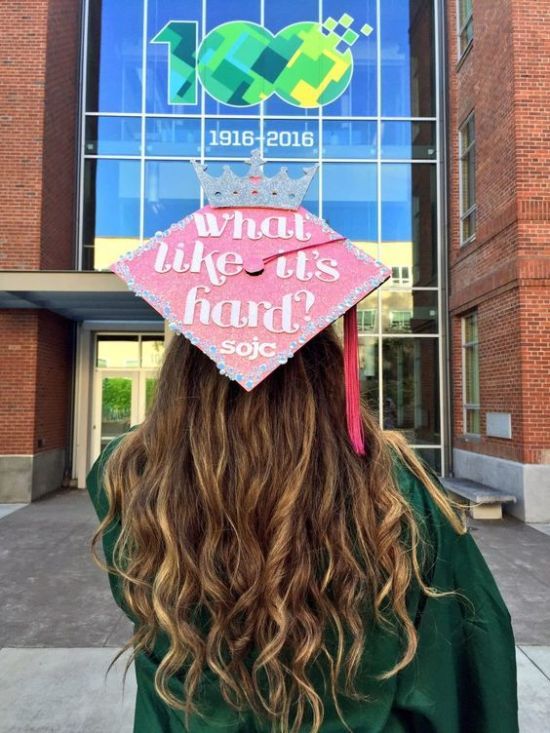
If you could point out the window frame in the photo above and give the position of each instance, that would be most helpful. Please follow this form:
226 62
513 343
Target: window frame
465 345
464 161
462 27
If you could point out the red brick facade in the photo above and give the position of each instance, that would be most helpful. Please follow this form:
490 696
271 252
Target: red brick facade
504 273
39 52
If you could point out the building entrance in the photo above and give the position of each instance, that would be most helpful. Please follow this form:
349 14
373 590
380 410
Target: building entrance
122 399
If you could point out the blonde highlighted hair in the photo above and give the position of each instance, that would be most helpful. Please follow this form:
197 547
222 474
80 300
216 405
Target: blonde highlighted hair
254 508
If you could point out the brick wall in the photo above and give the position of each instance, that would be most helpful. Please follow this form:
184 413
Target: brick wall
35 371
39 61
505 271
18 336
38 117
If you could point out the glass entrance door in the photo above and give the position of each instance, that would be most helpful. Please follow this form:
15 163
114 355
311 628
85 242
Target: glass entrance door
121 399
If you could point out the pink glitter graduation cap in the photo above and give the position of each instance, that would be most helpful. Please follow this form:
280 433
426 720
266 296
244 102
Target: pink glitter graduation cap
252 277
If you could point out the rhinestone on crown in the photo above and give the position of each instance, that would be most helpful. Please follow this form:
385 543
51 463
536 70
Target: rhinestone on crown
278 192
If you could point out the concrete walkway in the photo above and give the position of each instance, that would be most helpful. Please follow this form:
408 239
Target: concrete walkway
60 629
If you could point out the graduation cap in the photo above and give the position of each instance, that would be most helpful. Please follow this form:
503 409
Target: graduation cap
253 276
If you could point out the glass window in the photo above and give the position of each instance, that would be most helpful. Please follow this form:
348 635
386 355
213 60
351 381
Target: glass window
367 312
152 351
359 98
349 199
470 362
171 192
409 311
111 210
291 139
465 25
349 139
467 180
409 220
231 138
411 388
278 15
165 136
408 140
174 31
117 351
368 371
115 52
431 456
406 29
113 135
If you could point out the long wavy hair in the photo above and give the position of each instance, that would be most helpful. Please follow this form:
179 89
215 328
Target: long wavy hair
254 507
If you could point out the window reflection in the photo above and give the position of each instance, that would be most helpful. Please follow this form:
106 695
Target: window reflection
409 311
359 99
409 220
113 135
117 351
408 140
165 136
111 210
349 139
406 30
349 198
411 388
171 192
115 33
368 371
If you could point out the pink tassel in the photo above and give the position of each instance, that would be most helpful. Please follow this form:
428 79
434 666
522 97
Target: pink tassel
351 377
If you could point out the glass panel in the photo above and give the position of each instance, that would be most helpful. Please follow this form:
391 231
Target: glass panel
368 371
278 15
349 194
470 328
115 41
170 57
231 138
367 314
407 29
347 139
171 192
409 220
150 386
167 136
412 311
113 135
359 98
291 138
116 407
472 375
408 140
152 351
472 422
232 68
117 351
411 388
111 210
431 456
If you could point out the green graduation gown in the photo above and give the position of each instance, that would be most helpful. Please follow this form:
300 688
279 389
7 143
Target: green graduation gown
462 680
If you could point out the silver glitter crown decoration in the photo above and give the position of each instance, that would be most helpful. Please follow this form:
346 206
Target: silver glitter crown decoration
278 192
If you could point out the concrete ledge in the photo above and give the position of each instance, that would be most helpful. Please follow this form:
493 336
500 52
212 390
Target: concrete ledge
26 478
528 483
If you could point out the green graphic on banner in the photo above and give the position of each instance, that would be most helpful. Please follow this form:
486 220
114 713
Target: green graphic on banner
181 36
242 63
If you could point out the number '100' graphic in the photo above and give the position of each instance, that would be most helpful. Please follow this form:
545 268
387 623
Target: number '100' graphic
242 63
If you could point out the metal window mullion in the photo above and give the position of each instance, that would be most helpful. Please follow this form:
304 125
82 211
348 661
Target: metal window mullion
320 135
143 129
82 139
379 206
